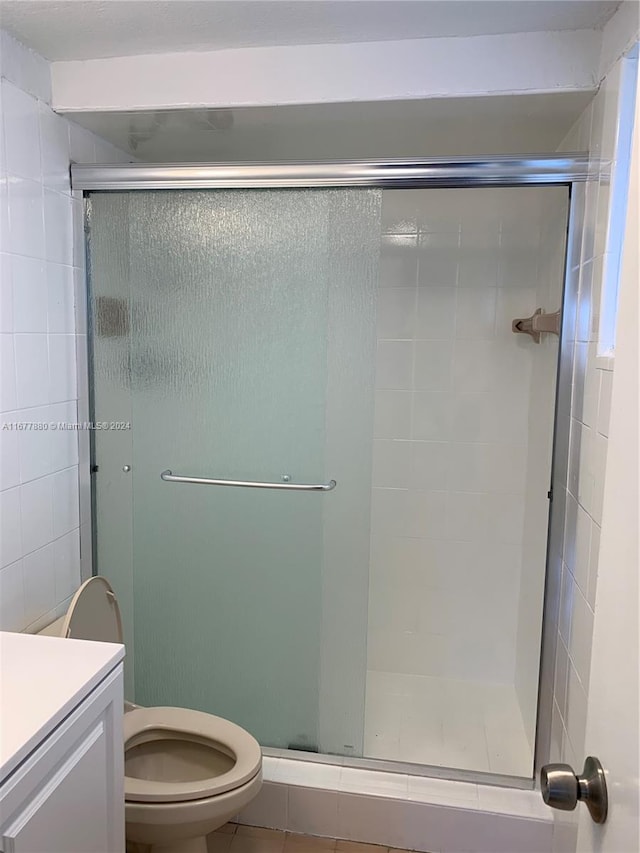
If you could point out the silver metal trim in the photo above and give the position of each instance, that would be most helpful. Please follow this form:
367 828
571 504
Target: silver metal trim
437 172
455 774
559 475
573 169
168 477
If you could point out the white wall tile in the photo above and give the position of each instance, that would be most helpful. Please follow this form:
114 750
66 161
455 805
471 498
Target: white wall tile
11 540
36 510
35 445
312 812
39 583
5 240
478 267
394 365
392 415
29 295
582 539
364 818
42 322
66 558
32 370
560 678
26 222
58 227
8 393
11 597
396 313
604 402
476 313
473 366
581 633
65 501
438 260
6 295
576 721
64 442
590 411
432 416
391 463
9 458
430 465
398 261
60 299
62 366
435 313
268 809
22 136
433 363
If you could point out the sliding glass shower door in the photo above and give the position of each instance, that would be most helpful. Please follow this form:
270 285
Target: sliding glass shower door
295 337
235 333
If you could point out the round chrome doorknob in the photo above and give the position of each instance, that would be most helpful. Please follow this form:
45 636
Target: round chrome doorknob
562 789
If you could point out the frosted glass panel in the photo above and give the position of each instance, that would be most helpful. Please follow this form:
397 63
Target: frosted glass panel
239 329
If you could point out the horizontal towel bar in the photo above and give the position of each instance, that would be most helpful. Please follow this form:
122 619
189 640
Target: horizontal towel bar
168 477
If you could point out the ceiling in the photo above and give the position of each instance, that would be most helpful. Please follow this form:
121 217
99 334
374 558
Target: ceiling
90 29
512 124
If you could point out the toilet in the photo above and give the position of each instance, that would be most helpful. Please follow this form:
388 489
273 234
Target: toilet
186 772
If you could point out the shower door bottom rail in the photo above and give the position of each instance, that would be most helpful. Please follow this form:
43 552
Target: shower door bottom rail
169 477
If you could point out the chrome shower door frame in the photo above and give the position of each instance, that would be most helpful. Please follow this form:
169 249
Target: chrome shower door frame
570 170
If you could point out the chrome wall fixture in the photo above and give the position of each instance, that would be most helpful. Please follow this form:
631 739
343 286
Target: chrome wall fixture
571 170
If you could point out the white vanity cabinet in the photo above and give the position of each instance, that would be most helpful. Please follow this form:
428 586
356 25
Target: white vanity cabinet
61 707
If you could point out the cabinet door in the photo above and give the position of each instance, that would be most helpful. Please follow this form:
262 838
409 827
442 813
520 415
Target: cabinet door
68 813
70 799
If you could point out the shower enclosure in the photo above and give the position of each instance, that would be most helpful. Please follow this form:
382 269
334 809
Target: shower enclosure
322 490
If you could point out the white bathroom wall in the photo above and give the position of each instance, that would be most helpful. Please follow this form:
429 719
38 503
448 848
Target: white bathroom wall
542 399
448 67
451 426
42 328
605 132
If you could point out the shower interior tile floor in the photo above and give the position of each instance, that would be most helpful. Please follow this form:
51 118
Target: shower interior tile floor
441 721
233 838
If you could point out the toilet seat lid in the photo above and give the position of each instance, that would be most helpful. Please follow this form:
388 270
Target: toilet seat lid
156 724
94 613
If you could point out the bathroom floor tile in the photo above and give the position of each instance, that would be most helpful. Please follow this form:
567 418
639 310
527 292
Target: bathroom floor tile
253 839
357 847
308 844
237 838
260 832
217 842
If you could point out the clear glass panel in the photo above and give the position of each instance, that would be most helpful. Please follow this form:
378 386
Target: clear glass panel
246 320
461 472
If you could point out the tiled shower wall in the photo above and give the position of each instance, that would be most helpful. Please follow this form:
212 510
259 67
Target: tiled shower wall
42 325
451 421
603 130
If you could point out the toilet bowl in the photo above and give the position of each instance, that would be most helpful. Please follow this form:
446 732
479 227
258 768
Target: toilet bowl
186 772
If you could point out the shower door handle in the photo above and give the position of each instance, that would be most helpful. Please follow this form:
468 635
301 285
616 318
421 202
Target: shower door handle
169 477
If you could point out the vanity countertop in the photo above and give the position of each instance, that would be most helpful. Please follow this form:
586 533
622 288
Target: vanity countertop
42 679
